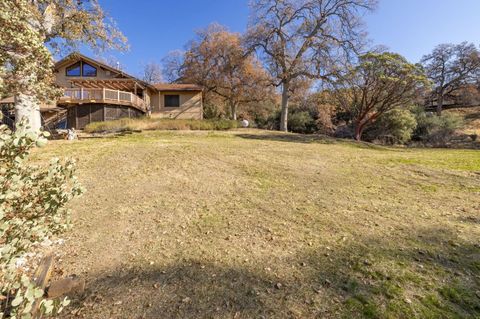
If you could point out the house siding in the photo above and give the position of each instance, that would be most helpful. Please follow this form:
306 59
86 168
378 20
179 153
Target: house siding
190 105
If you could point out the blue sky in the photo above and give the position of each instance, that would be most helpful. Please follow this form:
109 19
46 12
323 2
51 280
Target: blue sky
409 27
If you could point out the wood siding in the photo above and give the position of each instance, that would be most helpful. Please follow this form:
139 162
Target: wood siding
190 105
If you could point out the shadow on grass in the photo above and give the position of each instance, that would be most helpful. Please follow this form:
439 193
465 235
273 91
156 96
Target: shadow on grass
367 279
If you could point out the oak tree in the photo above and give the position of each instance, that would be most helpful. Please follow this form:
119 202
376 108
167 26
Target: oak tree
379 83
304 38
217 61
451 67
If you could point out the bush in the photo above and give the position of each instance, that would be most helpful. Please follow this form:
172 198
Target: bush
393 127
298 122
32 208
301 122
436 130
126 124
211 111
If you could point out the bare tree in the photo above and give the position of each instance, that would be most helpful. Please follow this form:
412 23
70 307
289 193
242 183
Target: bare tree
379 83
172 65
111 61
450 67
304 38
152 73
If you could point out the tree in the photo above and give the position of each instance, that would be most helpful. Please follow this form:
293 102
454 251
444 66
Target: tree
152 73
379 83
304 38
450 67
29 29
25 63
217 61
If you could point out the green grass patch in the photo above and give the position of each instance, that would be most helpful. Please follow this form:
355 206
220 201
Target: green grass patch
462 160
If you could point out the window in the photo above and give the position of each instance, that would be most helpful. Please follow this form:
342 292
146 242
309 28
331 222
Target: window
88 70
172 100
74 70
81 69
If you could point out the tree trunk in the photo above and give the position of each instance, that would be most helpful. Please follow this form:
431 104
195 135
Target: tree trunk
284 112
28 108
439 104
358 131
233 110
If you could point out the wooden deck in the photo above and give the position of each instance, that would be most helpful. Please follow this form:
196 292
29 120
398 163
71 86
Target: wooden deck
106 96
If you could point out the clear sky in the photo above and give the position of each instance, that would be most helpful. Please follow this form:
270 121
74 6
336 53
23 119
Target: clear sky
409 27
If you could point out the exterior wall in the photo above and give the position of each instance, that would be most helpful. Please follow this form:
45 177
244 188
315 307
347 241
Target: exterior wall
190 105
78 116
62 79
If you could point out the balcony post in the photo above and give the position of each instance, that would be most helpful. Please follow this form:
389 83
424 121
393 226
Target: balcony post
103 94
118 95
81 93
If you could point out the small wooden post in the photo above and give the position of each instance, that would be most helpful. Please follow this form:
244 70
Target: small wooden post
41 277
103 93
118 95
81 93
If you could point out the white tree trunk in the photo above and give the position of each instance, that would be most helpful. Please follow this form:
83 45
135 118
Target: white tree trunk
28 108
233 108
284 111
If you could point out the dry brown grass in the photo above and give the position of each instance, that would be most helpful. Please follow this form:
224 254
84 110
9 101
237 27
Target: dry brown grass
152 124
471 116
253 224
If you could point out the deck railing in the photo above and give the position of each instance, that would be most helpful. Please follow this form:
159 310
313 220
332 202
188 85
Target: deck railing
104 95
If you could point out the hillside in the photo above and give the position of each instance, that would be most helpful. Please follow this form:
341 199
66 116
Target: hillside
471 116
255 224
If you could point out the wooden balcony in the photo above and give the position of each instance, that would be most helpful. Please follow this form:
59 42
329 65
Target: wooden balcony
108 96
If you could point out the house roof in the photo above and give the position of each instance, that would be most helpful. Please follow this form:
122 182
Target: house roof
159 86
78 56
177 87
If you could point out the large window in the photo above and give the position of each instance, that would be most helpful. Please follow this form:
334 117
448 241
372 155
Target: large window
88 70
172 100
81 69
74 70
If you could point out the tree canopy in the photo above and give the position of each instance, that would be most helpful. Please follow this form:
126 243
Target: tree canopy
378 83
217 60
299 39
451 67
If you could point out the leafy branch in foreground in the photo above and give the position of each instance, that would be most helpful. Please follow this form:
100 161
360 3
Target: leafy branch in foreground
32 208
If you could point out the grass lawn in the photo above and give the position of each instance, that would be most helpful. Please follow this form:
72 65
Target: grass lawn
255 224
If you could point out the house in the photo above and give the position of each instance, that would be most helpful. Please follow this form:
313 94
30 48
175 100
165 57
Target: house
94 91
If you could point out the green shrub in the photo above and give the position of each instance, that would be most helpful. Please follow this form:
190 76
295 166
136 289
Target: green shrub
211 111
298 121
301 122
126 124
436 130
393 127
32 208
